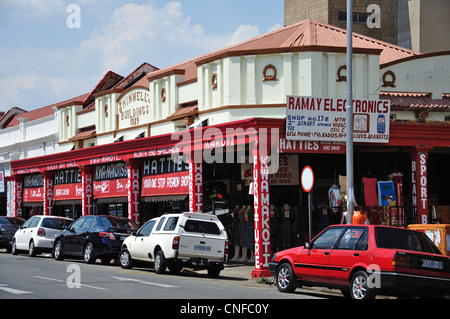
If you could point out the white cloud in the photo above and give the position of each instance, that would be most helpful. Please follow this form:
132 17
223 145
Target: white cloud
145 32
275 27
14 86
133 34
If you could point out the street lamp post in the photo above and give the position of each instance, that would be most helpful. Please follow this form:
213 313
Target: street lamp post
349 116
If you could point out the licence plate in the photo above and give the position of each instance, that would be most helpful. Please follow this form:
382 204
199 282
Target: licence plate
202 248
432 264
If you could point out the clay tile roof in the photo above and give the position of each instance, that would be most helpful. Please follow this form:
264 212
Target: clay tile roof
85 133
308 35
407 100
44 111
185 110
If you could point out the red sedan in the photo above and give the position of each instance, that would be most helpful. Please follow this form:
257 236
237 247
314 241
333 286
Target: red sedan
365 260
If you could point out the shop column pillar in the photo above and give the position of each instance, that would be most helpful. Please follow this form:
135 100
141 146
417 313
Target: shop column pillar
419 178
261 213
133 190
18 196
195 186
48 192
87 195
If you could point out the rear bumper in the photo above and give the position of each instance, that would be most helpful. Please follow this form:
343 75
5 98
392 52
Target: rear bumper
5 242
200 263
414 284
43 242
108 247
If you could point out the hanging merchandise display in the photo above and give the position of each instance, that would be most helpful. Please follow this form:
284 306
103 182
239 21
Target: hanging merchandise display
370 189
334 196
386 193
398 216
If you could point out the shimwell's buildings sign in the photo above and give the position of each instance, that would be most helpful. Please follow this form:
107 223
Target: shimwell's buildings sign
134 108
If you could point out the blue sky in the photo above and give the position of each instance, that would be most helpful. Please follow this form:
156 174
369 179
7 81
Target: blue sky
43 61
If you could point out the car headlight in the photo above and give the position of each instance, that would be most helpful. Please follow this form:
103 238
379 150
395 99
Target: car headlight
273 258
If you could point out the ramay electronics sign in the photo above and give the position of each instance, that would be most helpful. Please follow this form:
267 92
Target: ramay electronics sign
324 119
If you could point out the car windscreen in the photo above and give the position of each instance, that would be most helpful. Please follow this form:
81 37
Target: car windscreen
55 223
11 221
118 223
404 239
200 226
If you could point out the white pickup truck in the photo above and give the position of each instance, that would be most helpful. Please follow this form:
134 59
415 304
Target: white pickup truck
177 241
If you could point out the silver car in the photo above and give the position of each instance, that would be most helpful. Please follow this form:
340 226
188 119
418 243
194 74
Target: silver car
37 234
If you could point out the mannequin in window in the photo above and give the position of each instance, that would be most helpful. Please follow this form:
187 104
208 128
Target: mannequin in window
250 232
274 228
242 233
235 233
287 218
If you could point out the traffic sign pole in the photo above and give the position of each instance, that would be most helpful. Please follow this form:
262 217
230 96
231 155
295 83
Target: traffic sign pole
307 185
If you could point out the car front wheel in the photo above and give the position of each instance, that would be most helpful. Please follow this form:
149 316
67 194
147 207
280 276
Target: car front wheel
160 262
125 260
286 278
88 254
14 250
360 286
58 251
32 249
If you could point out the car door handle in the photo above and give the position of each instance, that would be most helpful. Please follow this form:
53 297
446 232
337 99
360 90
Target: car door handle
326 253
355 255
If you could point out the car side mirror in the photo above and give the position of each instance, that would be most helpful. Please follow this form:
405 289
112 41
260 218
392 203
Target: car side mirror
308 245
133 233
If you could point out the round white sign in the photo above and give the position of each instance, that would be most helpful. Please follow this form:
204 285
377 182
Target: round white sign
307 179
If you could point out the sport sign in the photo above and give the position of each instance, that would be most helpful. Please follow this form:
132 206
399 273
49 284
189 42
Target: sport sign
324 119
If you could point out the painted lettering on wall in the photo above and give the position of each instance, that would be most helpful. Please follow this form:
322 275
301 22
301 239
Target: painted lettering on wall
419 181
261 210
87 192
18 185
133 192
195 187
48 196
134 108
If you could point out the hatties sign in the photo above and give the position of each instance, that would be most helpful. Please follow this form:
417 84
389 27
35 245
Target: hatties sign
324 119
134 108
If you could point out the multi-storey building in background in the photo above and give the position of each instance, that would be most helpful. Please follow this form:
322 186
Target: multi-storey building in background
420 25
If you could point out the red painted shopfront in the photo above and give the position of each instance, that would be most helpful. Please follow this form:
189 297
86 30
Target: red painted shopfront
136 169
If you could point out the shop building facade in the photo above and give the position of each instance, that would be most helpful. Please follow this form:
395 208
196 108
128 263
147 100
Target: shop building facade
226 113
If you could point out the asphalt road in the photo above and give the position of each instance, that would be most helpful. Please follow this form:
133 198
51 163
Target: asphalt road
42 277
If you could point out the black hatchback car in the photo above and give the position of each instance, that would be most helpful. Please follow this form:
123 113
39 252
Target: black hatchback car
92 237
8 227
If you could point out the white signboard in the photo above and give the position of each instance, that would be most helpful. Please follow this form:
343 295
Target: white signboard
134 108
324 119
